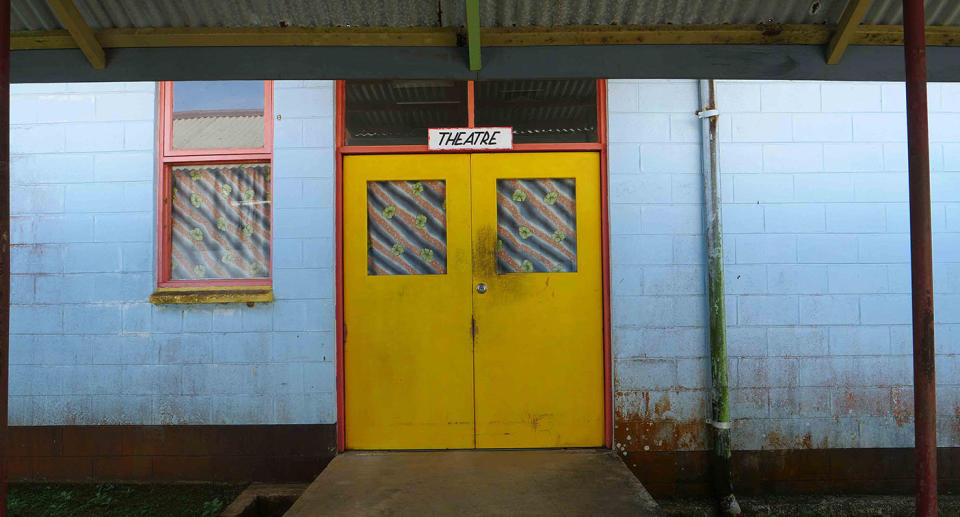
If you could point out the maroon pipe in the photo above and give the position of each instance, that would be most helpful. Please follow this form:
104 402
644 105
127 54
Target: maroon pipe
921 259
4 244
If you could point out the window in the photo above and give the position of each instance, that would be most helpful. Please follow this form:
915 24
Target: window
399 112
216 158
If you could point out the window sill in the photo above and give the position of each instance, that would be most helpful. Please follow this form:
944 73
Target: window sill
232 294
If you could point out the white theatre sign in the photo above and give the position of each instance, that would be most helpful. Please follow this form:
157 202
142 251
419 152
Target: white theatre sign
469 138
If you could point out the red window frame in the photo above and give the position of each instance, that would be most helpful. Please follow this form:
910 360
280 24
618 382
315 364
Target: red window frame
168 157
600 146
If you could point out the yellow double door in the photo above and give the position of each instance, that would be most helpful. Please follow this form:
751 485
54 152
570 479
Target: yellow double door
472 301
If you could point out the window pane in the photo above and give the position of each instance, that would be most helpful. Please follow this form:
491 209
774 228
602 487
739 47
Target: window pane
536 226
220 221
406 227
217 114
399 112
549 111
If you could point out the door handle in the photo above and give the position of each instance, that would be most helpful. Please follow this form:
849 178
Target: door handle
481 288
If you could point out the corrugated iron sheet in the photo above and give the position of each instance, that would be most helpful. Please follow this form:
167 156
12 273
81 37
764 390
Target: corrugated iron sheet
211 132
36 14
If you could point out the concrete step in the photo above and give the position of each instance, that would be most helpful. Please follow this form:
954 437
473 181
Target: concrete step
554 482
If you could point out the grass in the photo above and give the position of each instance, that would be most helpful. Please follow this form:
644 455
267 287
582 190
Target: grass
127 500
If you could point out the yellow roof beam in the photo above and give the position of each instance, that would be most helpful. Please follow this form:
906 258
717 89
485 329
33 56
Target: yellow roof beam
80 31
846 29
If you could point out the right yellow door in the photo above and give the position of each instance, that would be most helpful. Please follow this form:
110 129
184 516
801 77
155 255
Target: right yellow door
537 300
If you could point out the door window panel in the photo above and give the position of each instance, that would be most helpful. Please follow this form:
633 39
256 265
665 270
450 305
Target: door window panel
536 226
220 221
399 112
406 227
540 111
218 114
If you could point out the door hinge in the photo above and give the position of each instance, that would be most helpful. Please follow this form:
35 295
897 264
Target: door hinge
344 333
473 327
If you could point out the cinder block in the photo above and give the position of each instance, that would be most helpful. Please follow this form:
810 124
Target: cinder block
302 223
136 317
303 315
894 97
761 127
36 319
766 249
881 187
673 280
849 97
151 379
623 97
36 199
136 256
21 289
29 169
686 188
692 249
829 310
885 309
64 108
23 109
749 403
64 228
861 340
37 138
167 318
125 106
281 378
641 249
645 374
132 227
767 372
796 279
258 318
246 347
672 219
741 279
139 135
746 341
303 102
184 348
790 96
91 258
36 258
822 127
944 127
302 346
317 253
742 218
640 188
94 197
623 158
227 319
804 402
625 219
767 310
198 319
288 133
59 289
852 157
639 127
303 163
814 188
827 249
91 319
738 96
694 374
762 188
740 158
858 279
126 166
891 248
797 341
675 96
93 136
685 127
303 283
856 218
317 193
626 280
945 187
880 127
318 132
794 218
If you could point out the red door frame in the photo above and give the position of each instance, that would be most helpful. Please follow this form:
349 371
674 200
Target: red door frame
600 146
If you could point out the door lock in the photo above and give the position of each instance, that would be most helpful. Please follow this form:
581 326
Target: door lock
481 288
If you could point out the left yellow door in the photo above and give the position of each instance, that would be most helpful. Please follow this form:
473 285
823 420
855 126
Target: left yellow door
408 354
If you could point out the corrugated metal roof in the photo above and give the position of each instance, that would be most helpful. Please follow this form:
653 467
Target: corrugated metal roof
36 14
218 132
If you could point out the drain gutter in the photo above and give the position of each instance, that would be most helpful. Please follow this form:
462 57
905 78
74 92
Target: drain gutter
719 422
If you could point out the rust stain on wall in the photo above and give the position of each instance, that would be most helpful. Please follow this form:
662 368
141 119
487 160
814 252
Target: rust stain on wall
902 408
645 425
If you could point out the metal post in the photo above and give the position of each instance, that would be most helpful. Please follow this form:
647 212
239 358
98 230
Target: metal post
720 457
921 259
4 244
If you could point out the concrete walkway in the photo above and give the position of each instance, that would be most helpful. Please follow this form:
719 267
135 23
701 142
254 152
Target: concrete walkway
555 482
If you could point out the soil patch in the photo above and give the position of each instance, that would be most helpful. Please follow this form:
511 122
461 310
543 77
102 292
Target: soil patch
128 500
811 506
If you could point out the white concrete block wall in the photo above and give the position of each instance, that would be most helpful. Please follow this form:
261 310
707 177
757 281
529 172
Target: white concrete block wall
817 263
86 346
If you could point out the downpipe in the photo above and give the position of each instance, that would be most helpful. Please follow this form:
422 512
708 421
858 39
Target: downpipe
719 422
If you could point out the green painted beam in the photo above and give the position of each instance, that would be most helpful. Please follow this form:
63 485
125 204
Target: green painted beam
473 33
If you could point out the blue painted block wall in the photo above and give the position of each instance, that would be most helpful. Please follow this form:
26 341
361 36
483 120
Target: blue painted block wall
86 346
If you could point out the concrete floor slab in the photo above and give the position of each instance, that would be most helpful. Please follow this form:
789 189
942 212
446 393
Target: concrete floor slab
554 482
